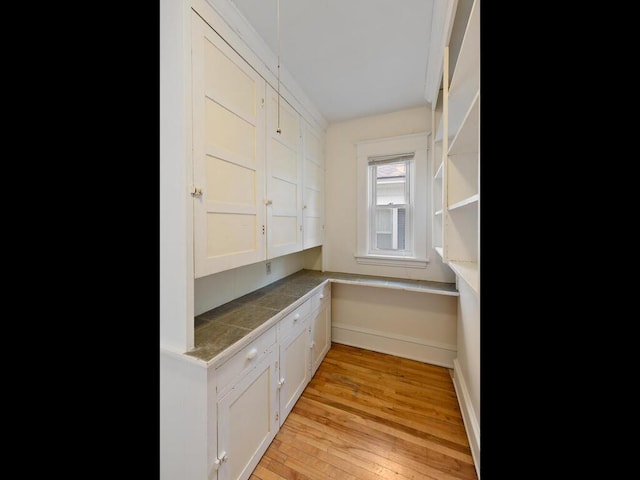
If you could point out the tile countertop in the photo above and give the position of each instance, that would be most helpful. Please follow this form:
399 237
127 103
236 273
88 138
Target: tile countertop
239 321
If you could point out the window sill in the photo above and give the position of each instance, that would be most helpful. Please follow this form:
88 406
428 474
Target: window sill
389 261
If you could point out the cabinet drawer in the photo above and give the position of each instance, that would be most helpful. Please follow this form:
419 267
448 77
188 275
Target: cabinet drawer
288 324
321 296
243 361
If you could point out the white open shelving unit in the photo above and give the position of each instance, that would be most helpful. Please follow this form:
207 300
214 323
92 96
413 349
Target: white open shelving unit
456 230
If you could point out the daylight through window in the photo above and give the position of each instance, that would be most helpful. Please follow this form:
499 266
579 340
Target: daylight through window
390 204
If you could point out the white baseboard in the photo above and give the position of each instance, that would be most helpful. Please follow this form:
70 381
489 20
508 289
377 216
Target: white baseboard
399 345
472 426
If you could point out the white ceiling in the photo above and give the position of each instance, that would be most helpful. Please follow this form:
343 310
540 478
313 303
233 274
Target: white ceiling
352 58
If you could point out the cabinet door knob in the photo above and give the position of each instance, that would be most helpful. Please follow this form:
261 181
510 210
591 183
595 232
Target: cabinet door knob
296 317
321 296
218 461
281 382
252 353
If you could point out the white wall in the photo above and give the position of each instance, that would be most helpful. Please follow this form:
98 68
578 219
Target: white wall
467 365
176 270
217 289
416 325
340 193
187 423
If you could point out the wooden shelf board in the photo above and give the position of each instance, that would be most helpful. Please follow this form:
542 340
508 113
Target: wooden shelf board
469 272
464 202
438 174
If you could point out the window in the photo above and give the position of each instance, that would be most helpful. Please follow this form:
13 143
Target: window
392 211
390 204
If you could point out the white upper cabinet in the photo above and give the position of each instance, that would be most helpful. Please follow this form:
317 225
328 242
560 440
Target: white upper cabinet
228 155
313 192
284 177
257 192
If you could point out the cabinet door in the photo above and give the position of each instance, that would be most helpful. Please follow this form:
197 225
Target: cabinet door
313 192
228 155
294 366
321 330
247 420
284 178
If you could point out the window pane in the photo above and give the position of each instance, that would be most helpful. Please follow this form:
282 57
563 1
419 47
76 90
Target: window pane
401 226
384 220
390 228
391 182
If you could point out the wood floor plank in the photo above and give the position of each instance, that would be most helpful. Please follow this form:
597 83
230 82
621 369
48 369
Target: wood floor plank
380 362
432 391
367 460
394 404
387 447
325 451
384 431
371 416
262 473
315 458
387 415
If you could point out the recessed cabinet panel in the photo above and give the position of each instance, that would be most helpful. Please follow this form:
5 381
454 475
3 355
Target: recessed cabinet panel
321 330
230 132
236 87
250 422
230 183
294 367
313 201
238 234
284 197
312 175
284 162
313 230
285 232
312 147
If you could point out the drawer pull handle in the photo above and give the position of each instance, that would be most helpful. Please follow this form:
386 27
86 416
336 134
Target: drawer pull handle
321 296
252 353
296 317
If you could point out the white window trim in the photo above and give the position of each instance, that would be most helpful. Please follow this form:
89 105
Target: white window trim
417 143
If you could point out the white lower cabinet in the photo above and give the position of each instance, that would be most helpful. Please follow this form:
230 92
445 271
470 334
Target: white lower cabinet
247 420
293 338
320 337
257 387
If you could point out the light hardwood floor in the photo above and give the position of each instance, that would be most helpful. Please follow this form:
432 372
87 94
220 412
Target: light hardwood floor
368 415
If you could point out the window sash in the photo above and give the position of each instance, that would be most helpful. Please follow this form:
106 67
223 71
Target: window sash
396 238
